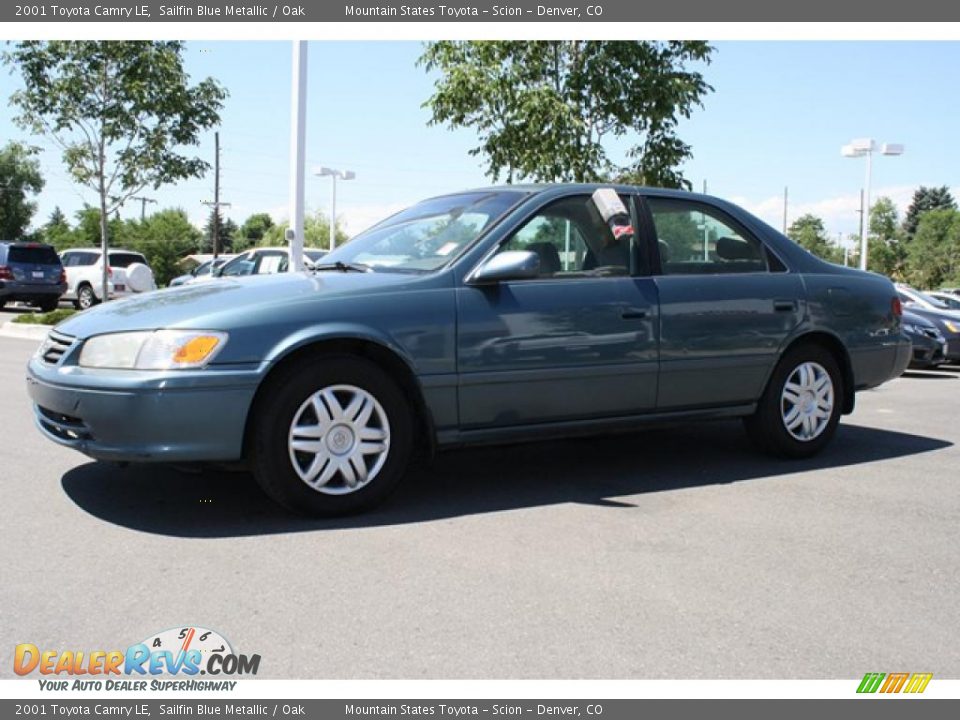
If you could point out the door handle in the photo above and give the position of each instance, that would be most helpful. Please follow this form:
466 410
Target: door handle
633 314
785 305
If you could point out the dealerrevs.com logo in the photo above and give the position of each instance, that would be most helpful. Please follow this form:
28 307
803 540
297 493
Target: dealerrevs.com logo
187 652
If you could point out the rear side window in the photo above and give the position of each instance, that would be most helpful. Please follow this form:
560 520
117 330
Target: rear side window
696 239
123 260
37 255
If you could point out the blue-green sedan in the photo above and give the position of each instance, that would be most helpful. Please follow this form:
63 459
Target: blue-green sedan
493 315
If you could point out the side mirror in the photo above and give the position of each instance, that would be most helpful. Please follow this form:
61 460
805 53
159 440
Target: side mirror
511 265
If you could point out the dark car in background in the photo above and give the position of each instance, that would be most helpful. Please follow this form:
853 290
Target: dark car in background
946 320
929 344
31 273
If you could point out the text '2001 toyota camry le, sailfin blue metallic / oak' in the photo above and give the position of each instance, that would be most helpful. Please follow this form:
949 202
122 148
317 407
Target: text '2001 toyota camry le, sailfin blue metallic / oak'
491 315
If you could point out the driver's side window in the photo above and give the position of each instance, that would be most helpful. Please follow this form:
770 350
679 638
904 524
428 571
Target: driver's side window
572 240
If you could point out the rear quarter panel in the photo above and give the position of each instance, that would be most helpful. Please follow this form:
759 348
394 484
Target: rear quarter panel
857 309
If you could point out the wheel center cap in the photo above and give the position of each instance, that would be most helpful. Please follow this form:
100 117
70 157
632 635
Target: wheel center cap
340 440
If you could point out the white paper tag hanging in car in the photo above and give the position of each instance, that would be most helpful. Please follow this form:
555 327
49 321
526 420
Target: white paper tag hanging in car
608 203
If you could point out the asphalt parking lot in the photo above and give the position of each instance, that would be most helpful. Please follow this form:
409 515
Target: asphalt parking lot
678 552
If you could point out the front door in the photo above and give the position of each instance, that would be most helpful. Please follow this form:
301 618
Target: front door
578 342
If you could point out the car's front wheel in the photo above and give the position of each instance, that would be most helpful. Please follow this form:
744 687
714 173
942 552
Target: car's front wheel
801 406
86 298
331 436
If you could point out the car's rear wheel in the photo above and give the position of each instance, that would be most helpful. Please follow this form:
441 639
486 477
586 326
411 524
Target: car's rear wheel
801 406
49 305
86 298
331 436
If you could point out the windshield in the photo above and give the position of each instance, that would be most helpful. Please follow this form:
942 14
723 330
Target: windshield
428 235
935 302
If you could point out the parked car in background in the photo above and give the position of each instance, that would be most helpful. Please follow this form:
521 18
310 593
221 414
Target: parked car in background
265 261
127 274
31 273
929 344
920 299
946 320
202 272
328 382
951 301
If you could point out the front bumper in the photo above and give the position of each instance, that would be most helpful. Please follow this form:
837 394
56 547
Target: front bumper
176 416
927 351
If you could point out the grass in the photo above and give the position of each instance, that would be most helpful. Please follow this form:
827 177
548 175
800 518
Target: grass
50 318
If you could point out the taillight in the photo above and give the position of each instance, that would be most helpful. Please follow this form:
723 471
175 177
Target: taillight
6 273
63 276
109 271
896 307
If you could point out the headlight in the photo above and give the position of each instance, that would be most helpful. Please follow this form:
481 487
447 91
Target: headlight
160 350
952 326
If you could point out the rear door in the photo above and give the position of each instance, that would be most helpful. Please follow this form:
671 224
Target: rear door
119 262
34 264
727 305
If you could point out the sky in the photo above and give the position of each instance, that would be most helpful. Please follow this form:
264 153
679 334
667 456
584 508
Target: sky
778 116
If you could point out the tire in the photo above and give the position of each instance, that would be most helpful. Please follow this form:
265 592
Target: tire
812 369
317 481
86 298
140 278
48 306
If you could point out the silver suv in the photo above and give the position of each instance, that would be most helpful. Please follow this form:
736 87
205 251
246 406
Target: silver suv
127 273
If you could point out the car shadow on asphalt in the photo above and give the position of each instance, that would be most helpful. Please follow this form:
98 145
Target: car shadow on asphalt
613 471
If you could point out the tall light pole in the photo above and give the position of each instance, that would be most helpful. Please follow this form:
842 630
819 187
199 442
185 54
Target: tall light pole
865 147
333 173
298 141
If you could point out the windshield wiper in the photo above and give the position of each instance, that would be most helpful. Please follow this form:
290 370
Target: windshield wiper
343 267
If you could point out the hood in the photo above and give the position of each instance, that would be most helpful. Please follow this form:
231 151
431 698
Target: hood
918 320
227 301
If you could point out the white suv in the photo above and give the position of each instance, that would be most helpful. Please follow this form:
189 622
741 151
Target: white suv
127 273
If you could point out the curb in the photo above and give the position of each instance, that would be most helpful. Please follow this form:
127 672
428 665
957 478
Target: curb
24 331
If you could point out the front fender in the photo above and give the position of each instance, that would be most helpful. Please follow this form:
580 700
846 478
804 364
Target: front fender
327 331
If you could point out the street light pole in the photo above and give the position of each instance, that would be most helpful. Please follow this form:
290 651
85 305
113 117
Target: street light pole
864 147
333 174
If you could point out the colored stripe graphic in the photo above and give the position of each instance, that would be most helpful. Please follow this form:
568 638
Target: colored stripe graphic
870 682
918 682
894 682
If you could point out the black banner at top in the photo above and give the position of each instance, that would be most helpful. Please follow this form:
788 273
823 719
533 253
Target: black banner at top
481 11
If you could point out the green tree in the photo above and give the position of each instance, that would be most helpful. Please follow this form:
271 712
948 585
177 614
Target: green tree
164 238
225 230
924 200
19 178
316 233
544 109
933 256
886 250
120 111
56 231
253 230
88 232
809 232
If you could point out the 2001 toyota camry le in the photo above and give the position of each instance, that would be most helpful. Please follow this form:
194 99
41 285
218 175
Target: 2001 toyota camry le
490 315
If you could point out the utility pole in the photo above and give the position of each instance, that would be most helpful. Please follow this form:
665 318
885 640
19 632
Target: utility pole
298 144
216 196
143 205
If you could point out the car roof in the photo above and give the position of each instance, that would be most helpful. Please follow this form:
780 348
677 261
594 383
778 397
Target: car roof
96 249
539 188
